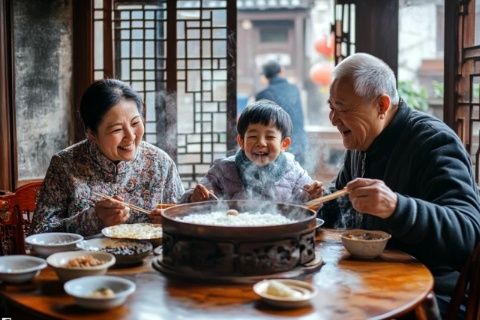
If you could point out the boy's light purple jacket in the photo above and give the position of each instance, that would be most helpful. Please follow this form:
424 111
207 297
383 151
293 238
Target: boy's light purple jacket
223 179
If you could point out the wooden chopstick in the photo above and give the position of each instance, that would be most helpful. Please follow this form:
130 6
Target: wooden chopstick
212 195
131 206
315 203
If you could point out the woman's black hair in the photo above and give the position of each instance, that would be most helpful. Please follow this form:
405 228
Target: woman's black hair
102 95
265 112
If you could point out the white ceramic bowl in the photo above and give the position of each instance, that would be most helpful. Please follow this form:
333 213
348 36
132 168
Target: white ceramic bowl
365 244
81 288
59 260
45 244
303 291
125 251
20 268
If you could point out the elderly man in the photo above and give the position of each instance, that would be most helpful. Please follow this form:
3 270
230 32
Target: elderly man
407 173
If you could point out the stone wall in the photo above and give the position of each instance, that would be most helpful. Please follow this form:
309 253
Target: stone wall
43 71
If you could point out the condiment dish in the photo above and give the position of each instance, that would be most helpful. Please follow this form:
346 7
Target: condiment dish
85 291
285 293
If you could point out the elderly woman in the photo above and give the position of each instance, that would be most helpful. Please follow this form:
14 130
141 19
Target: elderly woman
407 173
113 160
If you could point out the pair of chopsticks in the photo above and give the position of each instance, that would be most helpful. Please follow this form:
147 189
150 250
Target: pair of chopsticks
131 206
315 203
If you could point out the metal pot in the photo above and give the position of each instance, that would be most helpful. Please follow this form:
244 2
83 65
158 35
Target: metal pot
226 250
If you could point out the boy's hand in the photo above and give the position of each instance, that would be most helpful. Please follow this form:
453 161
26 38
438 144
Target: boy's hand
314 190
200 193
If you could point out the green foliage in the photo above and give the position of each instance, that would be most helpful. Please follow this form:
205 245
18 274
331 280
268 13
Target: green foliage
415 97
437 89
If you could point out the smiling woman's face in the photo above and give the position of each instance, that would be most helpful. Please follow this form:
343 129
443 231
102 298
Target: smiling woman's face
120 132
357 120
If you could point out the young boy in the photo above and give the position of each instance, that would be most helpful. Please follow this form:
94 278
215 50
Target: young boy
260 169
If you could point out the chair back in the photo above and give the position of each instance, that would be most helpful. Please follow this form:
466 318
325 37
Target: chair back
26 201
16 211
8 224
467 289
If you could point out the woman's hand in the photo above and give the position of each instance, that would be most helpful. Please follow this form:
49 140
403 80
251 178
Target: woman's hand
372 196
314 189
112 212
156 215
200 193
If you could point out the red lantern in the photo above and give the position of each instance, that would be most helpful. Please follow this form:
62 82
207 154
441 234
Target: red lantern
321 73
324 45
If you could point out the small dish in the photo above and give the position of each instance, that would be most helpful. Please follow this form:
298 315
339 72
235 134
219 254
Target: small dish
126 252
365 244
59 261
285 293
83 289
45 244
20 268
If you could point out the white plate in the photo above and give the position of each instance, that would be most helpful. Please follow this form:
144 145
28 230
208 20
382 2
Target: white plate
304 290
137 231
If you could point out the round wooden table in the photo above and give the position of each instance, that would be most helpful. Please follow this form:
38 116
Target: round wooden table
388 286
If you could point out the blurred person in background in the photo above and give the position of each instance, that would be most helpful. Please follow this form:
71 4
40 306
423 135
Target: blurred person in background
287 96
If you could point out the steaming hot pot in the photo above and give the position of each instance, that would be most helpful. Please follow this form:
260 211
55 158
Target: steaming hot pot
209 250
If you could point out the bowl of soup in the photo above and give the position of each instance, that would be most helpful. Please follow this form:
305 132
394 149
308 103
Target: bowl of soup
365 244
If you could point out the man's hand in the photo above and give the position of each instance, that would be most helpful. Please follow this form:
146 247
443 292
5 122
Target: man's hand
112 212
372 196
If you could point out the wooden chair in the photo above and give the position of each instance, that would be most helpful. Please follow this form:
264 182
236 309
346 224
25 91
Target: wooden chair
26 202
8 224
16 216
467 289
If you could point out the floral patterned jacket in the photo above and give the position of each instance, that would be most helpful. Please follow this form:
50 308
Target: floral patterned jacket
66 202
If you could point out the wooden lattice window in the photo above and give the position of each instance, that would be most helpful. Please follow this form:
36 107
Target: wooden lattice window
466 83
343 29
180 56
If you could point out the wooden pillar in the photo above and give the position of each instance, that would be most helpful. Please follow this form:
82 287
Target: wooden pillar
376 25
82 59
8 149
450 62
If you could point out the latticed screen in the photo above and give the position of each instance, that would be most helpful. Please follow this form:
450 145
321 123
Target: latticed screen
343 28
202 84
467 86
186 95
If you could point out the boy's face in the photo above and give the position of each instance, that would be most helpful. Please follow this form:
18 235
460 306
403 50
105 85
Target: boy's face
263 143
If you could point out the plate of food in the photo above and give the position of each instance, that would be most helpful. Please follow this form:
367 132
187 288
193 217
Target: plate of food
285 293
135 231
125 251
